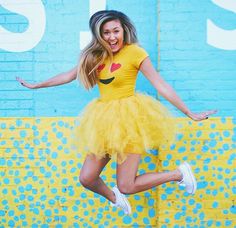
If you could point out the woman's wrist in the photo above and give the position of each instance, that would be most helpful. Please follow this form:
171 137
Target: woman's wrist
35 86
38 86
188 113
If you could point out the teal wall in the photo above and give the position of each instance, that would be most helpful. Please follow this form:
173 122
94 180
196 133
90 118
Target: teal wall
173 32
203 75
58 51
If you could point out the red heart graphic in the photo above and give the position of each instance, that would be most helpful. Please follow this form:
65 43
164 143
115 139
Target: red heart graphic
100 68
115 66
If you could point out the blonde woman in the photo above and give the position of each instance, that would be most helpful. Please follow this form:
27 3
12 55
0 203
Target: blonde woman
122 123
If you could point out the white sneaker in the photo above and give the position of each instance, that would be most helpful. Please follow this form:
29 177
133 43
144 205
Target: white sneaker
121 201
188 180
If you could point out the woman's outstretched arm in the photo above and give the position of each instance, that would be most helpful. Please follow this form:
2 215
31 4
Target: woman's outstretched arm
168 92
59 79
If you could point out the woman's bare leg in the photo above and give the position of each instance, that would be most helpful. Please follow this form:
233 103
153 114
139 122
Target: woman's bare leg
89 176
129 183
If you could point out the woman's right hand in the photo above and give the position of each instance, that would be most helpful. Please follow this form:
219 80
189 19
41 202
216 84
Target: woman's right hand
26 84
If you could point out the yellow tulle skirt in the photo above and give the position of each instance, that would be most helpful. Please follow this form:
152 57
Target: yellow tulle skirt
117 127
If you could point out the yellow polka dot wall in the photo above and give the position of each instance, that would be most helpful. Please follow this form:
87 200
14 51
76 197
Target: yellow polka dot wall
39 185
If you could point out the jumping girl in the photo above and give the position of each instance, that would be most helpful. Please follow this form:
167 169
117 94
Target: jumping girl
122 123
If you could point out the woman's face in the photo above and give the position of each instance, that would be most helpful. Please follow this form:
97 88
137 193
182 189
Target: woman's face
113 34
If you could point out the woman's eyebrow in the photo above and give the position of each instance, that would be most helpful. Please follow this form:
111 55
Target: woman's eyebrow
111 29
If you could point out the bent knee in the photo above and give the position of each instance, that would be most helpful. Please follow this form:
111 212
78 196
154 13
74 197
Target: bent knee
86 180
125 187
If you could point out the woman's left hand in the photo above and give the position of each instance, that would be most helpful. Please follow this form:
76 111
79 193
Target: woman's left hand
201 116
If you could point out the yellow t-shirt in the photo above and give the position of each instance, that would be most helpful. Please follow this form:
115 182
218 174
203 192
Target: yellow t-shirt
117 79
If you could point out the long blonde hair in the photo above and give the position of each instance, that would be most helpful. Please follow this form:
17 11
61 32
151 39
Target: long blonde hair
98 50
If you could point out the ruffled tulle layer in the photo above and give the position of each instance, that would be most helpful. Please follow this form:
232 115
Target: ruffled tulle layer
128 125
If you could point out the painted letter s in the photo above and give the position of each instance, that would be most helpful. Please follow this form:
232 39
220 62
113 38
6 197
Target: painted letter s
218 37
34 11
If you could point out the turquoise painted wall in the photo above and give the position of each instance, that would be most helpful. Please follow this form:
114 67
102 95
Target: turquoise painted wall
58 51
203 75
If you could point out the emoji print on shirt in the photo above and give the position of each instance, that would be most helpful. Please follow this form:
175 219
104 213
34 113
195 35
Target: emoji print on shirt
113 68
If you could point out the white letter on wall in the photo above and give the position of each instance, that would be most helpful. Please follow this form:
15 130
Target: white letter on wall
94 6
34 11
218 37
